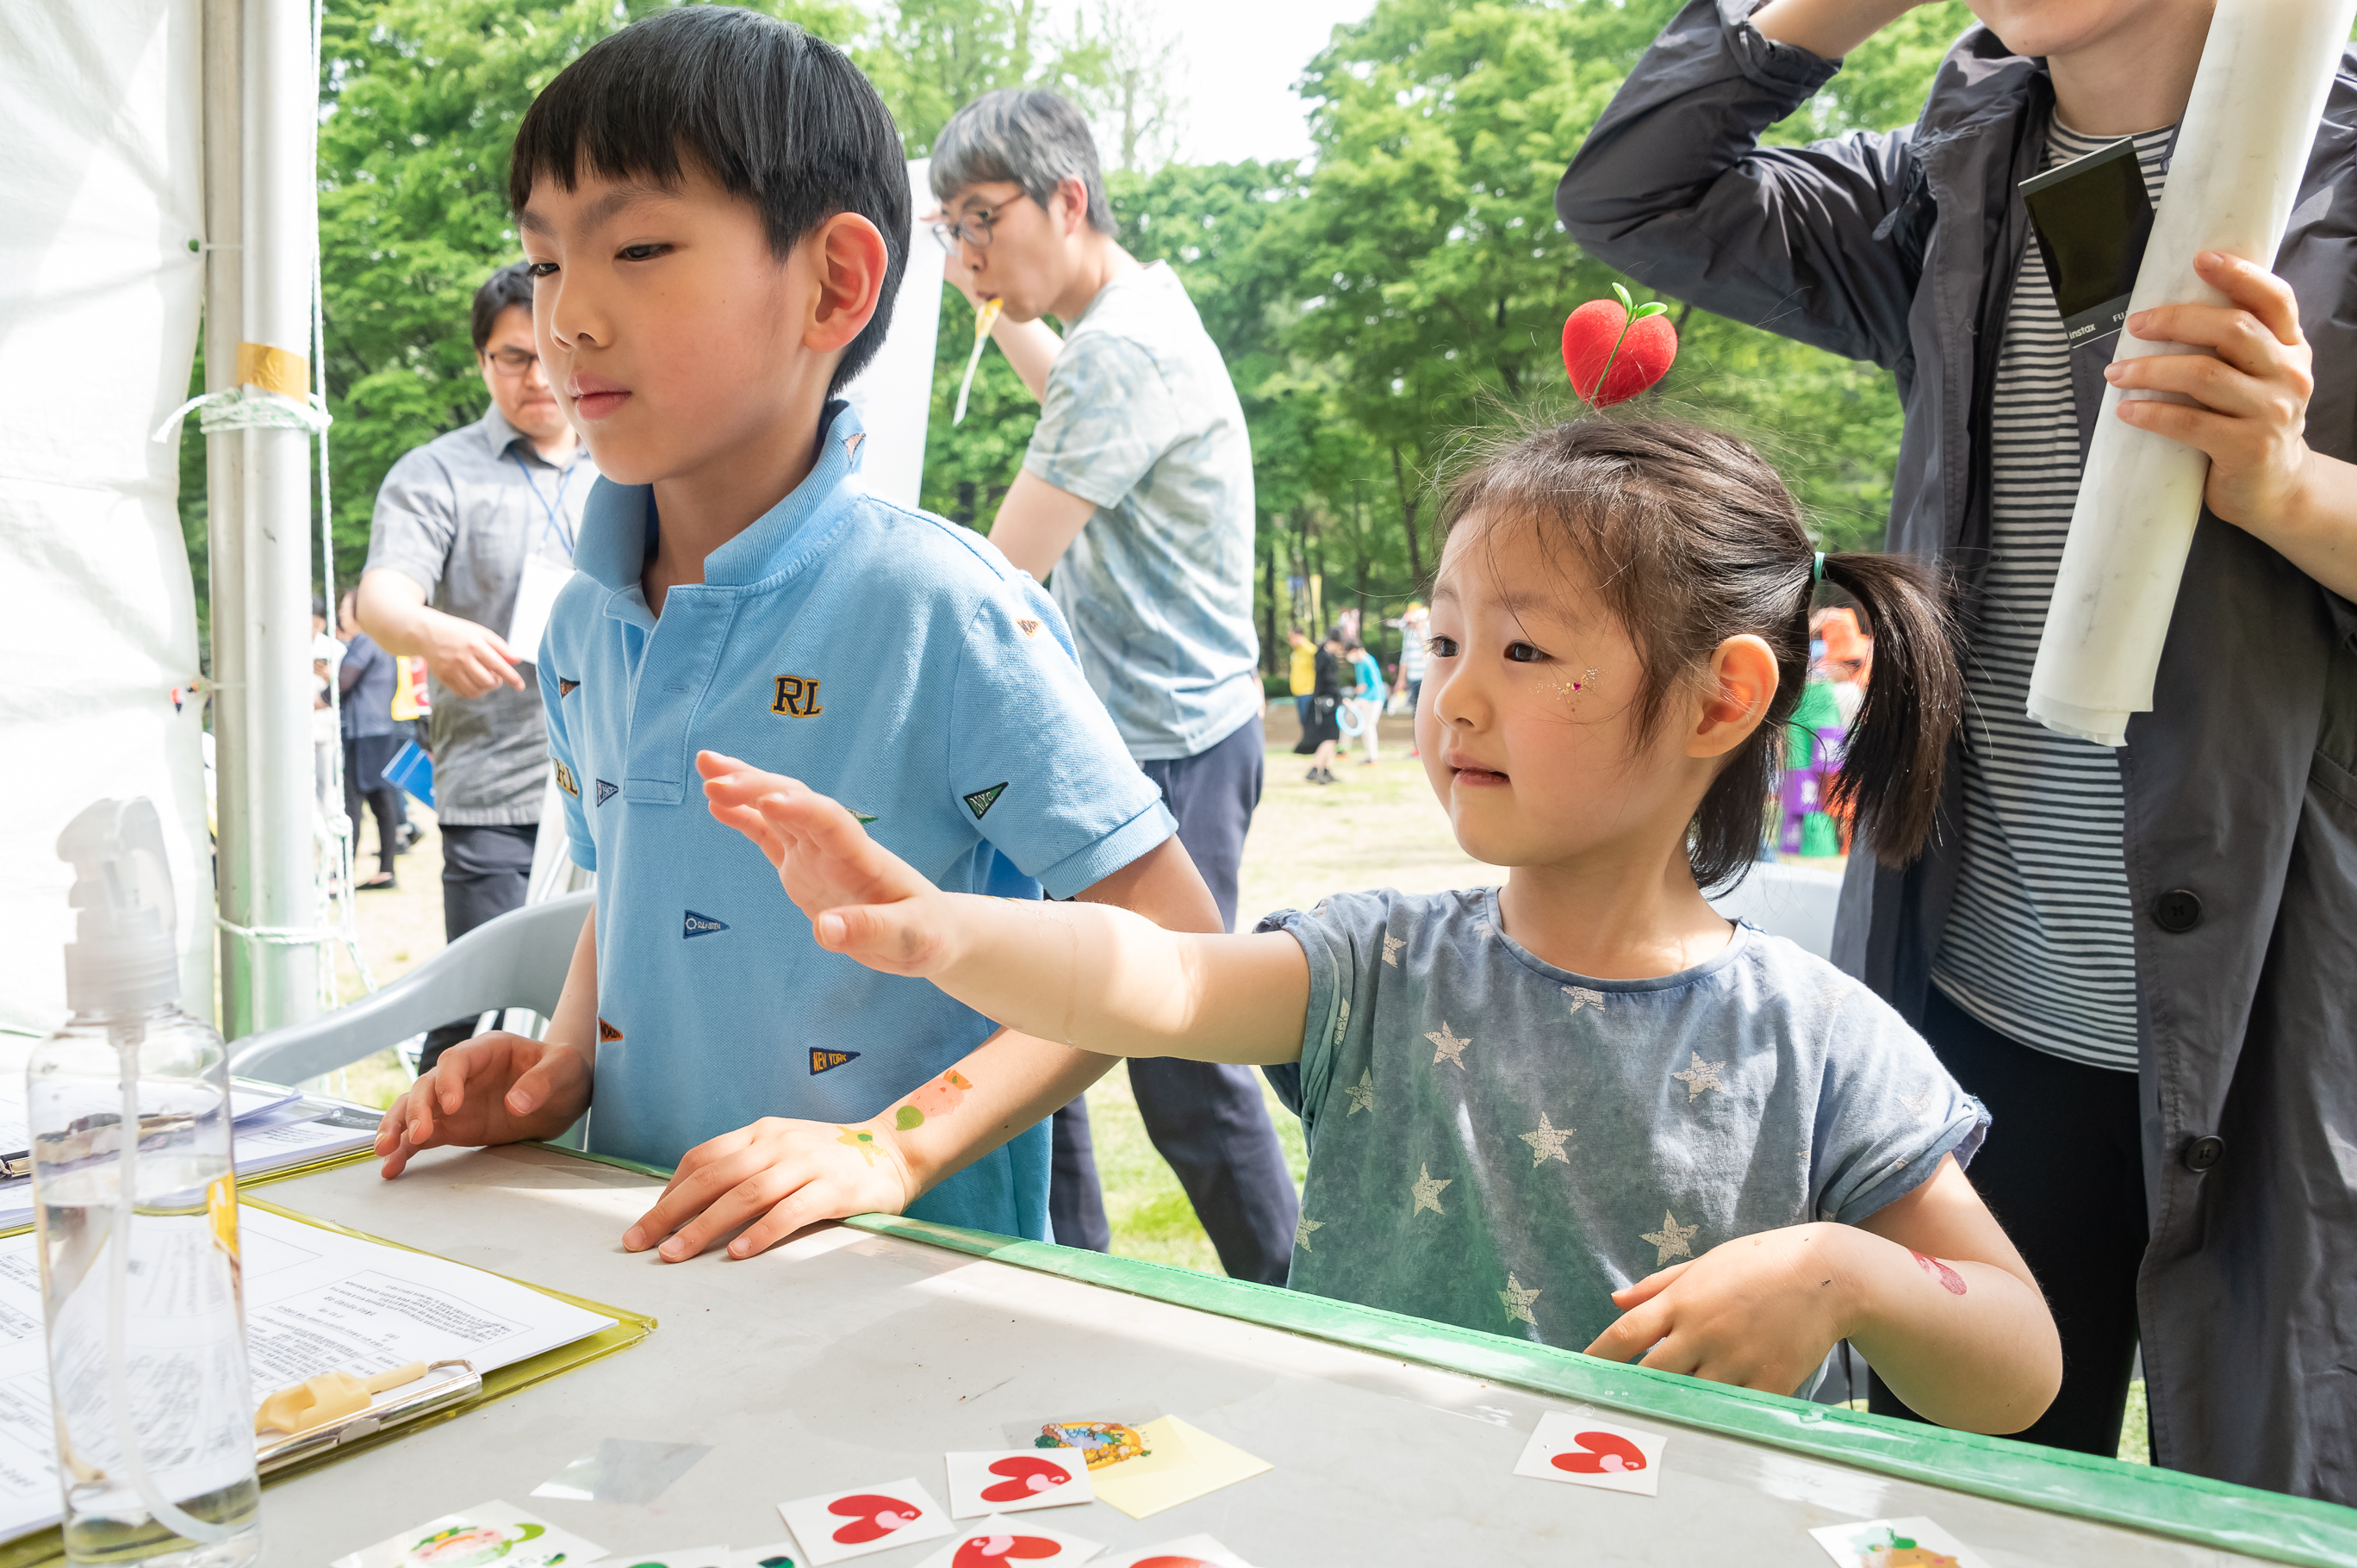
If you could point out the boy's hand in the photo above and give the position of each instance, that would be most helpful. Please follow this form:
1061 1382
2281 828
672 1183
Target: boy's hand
1761 1311
862 899
494 1089
784 1175
2250 407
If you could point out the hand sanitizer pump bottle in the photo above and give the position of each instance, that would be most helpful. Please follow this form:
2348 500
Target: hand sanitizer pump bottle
135 1200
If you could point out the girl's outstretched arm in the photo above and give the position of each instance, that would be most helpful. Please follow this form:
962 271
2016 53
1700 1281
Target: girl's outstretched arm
1089 975
1928 1288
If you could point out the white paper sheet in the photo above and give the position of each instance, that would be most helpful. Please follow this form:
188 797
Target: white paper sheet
271 1141
246 1100
315 1302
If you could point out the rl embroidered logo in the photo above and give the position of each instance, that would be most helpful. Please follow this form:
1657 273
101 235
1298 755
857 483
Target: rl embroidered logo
701 926
565 778
797 697
980 800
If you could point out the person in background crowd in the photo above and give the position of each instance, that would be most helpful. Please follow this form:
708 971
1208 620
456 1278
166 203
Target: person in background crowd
1303 674
1414 629
369 737
1137 495
1368 700
473 536
1324 732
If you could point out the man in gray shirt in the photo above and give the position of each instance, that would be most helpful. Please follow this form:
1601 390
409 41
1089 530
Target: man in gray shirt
473 533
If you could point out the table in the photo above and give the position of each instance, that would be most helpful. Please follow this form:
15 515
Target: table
858 1353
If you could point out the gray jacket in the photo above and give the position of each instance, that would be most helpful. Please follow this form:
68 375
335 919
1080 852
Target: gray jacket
1901 248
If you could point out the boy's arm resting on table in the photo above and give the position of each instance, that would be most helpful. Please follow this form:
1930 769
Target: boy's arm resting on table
783 1174
500 1088
1927 1287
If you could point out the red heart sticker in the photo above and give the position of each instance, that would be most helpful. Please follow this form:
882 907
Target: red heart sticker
1644 358
989 1551
872 1516
1028 1478
1600 1453
1173 1562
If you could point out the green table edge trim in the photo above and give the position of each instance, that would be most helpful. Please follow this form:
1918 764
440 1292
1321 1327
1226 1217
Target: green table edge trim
2195 1509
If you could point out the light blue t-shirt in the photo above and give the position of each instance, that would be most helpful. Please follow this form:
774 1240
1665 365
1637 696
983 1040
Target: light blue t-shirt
881 656
1142 419
1500 1144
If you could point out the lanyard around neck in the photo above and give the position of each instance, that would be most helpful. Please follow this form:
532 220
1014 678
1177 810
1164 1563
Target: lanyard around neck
555 523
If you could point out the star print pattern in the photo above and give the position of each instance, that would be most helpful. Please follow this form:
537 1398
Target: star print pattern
1919 1104
1447 1047
1361 1093
1301 1231
1427 1192
1547 1143
1517 1301
1671 1240
1701 1078
1581 996
1392 946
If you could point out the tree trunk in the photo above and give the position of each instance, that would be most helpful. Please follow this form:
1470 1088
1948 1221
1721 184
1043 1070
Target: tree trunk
1268 643
1411 503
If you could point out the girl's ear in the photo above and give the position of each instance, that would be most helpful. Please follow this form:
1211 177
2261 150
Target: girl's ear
1735 696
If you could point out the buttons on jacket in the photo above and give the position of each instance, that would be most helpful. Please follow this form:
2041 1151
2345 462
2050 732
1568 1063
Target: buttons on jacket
2179 910
2203 1153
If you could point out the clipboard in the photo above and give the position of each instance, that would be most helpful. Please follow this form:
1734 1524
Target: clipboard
429 1407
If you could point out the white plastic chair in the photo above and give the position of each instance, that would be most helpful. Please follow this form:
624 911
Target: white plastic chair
1796 902
517 960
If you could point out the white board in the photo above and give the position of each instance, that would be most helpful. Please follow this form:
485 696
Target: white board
893 395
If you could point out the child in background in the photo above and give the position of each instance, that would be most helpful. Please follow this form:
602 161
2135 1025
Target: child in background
1368 698
715 205
1580 1108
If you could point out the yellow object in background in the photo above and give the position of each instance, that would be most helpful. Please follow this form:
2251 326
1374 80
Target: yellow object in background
984 319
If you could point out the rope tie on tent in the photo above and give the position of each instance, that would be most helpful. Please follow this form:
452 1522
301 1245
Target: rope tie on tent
244 408
280 936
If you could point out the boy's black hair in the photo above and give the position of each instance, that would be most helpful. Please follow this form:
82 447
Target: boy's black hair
508 287
778 116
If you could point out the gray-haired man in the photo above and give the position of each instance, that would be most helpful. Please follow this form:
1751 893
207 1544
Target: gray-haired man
1137 492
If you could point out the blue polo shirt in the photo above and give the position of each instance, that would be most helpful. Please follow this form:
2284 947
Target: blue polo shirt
887 657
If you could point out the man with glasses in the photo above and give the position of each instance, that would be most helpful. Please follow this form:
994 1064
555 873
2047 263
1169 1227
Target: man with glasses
1136 493
472 537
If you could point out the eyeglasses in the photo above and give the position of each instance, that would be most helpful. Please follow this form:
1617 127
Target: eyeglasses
974 231
513 362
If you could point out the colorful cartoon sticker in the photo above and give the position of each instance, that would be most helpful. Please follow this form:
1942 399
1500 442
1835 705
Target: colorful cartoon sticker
1101 1443
938 1098
468 1545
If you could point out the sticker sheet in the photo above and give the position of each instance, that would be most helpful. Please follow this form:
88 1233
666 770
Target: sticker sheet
1589 1451
1184 1462
1913 1543
679 1557
835 1527
1001 1542
781 1555
1012 1480
1106 1440
1191 1551
490 1532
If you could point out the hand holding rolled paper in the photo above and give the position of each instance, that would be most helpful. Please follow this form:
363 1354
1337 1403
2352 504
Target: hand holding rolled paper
1612 353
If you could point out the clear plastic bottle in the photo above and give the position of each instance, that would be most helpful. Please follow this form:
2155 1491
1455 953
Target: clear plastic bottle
138 1237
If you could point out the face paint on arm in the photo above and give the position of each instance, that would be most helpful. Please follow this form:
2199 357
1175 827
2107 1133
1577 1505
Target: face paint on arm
938 1098
1950 1281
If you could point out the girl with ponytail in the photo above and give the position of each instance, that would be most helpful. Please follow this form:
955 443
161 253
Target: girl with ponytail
1580 1107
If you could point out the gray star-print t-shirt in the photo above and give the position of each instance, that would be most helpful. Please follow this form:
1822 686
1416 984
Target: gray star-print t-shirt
1500 1144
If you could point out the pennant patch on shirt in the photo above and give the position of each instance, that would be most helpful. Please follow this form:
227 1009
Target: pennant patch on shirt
606 791
827 1061
607 1032
701 926
1028 627
566 688
565 778
797 697
980 800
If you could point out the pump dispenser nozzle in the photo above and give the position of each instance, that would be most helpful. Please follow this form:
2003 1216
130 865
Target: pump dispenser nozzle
121 959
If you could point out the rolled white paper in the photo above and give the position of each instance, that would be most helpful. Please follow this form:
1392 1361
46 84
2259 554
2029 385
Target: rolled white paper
2243 145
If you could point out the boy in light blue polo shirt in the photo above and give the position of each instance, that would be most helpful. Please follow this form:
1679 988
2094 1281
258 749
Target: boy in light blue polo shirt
704 283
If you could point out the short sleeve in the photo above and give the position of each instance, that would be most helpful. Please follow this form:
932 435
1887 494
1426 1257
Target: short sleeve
417 521
560 756
1887 1109
1034 760
1335 937
1108 419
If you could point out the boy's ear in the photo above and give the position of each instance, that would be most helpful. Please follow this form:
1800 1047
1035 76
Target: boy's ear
1735 696
850 259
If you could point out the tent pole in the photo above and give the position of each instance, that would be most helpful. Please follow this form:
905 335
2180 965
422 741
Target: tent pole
225 508
280 123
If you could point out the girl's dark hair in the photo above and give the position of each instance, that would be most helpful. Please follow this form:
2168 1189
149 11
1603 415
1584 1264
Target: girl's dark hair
1690 538
778 116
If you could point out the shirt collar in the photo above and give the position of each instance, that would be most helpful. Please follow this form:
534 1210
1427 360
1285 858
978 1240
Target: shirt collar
618 523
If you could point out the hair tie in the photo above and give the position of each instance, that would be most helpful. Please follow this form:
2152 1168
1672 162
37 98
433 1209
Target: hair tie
1818 575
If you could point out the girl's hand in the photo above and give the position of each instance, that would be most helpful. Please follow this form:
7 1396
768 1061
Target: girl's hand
2250 409
1759 1312
862 899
